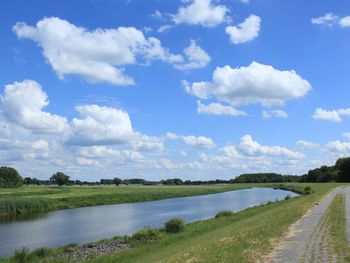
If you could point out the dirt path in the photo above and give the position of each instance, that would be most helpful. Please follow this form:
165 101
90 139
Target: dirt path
305 241
347 211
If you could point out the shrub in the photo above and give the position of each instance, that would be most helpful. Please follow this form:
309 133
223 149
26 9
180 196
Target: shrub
287 197
41 252
21 256
146 234
174 225
307 190
224 213
9 177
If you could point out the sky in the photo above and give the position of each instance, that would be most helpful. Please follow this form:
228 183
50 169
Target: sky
193 89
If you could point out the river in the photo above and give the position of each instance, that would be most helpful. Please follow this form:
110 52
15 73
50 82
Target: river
80 225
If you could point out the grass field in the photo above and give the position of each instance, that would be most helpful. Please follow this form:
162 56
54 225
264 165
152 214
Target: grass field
32 199
241 237
329 243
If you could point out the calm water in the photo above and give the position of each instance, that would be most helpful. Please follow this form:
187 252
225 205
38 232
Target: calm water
87 224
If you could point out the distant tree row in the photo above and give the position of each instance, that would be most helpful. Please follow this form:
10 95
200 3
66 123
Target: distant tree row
265 178
340 172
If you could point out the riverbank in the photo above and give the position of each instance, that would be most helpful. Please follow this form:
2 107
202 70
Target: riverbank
36 199
244 236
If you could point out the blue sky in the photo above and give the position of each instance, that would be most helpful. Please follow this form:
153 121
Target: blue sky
193 89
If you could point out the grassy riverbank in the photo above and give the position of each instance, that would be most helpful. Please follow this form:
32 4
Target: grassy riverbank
329 243
33 199
241 237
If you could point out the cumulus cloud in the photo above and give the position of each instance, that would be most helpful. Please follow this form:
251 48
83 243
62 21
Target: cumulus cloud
306 144
346 135
97 55
267 114
22 103
345 21
331 115
327 19
255 84
196 58
330 19
100 125
246 31
252 148
338 147
218 109
200 12
193 141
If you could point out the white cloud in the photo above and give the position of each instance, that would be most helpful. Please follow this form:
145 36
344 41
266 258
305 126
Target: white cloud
338 146
246 31
328 19
346 135
218 109
331 115
22 104
164 28
321 114
196 57
306 144
200 12
345 21
95 55
193 141
254 84
167 164
157 15
252 148
146 143
107 126
100 125
98 152
183 153
230 151
267 114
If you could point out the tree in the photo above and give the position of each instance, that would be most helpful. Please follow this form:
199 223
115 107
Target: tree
343 167
59 178
9 177
117 181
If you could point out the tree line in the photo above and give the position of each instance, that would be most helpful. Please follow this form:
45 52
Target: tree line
339 172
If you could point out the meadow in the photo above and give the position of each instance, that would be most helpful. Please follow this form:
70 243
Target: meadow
246 236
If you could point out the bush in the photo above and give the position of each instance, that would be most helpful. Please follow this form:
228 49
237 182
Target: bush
21 256
174 225
287 197
224 213
146 234
9 177
307 190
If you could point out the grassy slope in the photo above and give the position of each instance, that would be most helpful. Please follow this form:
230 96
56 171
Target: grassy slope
45 198
242 237
335 219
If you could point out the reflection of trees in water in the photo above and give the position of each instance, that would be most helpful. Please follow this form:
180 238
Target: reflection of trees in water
21 217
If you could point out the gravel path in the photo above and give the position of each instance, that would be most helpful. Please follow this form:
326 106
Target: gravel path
305 241
347 210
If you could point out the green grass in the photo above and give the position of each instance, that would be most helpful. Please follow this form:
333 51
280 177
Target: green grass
242 237
335 218
245 236
32 199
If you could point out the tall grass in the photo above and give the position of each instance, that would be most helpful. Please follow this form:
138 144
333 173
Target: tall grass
32 199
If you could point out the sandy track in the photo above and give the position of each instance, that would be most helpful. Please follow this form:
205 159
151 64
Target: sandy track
305 240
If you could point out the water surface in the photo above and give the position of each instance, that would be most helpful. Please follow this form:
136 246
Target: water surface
80 225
